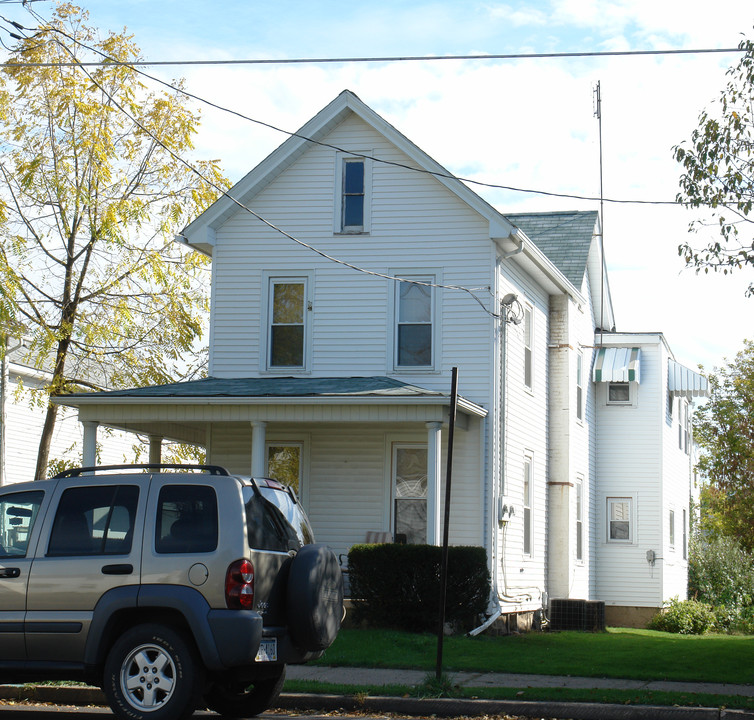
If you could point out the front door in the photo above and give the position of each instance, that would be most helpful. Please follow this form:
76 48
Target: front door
410 493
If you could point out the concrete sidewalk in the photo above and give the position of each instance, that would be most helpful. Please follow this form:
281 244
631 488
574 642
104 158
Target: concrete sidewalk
380 676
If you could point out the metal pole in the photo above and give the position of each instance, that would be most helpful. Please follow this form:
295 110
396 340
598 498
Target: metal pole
444 566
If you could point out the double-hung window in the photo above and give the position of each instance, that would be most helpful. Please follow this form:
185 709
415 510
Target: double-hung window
619 520
353 185
415 303
287 323
579 386
579 519
671 528
528 462
528 347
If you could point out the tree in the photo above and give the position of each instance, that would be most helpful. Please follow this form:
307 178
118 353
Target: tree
719 174
92 190
724 430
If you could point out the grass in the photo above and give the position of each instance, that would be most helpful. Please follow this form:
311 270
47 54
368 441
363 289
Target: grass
617 653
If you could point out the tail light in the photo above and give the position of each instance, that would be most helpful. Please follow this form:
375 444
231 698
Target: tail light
239 585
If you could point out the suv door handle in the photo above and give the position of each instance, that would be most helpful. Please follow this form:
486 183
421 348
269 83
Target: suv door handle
10 572
120 569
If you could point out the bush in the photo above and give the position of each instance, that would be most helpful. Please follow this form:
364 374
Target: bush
686 617
398 586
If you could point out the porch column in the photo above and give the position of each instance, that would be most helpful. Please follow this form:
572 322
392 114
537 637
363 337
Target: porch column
258 440
434 437
155 449
90 443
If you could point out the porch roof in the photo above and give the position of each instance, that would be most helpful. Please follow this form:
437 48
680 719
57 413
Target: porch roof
275 390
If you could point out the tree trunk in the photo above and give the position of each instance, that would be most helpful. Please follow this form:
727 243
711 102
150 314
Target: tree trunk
43 456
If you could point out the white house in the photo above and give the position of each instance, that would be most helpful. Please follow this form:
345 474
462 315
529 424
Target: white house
351 273
22 417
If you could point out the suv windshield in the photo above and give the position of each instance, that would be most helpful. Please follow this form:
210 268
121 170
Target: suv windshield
274 521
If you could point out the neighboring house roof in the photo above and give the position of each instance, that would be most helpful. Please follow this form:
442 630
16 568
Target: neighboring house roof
255 390
565 237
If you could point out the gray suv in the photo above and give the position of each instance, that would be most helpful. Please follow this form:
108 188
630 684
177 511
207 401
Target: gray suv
170 587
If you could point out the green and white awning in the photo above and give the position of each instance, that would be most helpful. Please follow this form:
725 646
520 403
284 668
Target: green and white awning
617 364
686 383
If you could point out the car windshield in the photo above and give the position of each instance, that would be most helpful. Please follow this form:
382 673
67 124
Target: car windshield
274 521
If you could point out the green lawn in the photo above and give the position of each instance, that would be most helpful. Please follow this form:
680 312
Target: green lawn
619 652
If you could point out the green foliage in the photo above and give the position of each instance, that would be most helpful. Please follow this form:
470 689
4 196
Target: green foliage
398 586
724 431
718 167
721 573
92 192
685 617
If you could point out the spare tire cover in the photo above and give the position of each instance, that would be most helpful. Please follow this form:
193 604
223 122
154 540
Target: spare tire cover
315 598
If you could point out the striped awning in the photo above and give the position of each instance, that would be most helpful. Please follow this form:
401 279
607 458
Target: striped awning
686 383
617 364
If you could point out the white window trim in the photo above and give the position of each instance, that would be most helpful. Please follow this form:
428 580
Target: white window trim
528 458
579 490
632 534
532 339
433 275
340 158
268 279
671 529
632 390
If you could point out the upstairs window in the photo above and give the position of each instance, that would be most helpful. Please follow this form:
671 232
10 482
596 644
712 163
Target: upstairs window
580 386
619 520
353 193
528 347
287 322
415 320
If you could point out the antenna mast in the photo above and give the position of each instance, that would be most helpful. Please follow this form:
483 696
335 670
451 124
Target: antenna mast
598 115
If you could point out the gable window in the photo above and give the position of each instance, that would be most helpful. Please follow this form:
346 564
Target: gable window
619 520
410 493
527 504
580 386
353 193
528 345
415 320
287 322
579 519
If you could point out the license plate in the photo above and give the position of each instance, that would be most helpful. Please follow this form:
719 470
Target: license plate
268 651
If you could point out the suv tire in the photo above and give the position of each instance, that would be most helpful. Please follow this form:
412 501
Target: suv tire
152 673
241 700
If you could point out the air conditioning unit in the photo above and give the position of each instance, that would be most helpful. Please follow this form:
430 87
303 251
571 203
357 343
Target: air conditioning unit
575 614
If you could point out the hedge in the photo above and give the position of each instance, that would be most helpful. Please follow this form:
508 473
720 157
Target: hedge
398 586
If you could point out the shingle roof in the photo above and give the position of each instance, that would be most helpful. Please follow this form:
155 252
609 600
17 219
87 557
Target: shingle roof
275 387
565 237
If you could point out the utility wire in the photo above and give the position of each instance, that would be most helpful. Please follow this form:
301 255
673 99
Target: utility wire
266 222
445 175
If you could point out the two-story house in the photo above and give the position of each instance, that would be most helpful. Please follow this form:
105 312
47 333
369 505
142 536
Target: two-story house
350 274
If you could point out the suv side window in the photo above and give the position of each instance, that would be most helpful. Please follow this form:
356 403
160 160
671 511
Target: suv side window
18 512
186 519
94 521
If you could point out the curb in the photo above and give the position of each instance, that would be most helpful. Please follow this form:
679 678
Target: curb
440 707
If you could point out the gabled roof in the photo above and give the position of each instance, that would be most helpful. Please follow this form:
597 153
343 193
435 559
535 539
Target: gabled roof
565 237
200 232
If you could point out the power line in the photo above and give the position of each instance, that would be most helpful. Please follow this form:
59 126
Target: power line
385 58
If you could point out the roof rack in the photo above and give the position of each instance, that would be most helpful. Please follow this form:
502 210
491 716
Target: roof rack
76 472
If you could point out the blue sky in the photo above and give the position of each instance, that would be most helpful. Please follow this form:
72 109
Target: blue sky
526 123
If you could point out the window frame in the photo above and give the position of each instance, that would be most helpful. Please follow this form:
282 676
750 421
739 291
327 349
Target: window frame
579 519
270 280
580 386
342 158
528 504
412 277
528 346
671 528
610 501
300 445
684 530
395 447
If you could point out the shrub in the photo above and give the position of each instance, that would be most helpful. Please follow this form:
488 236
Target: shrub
721 573
686 617
398 586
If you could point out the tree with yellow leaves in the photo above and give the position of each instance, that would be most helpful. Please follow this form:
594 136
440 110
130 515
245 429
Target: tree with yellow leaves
93 186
